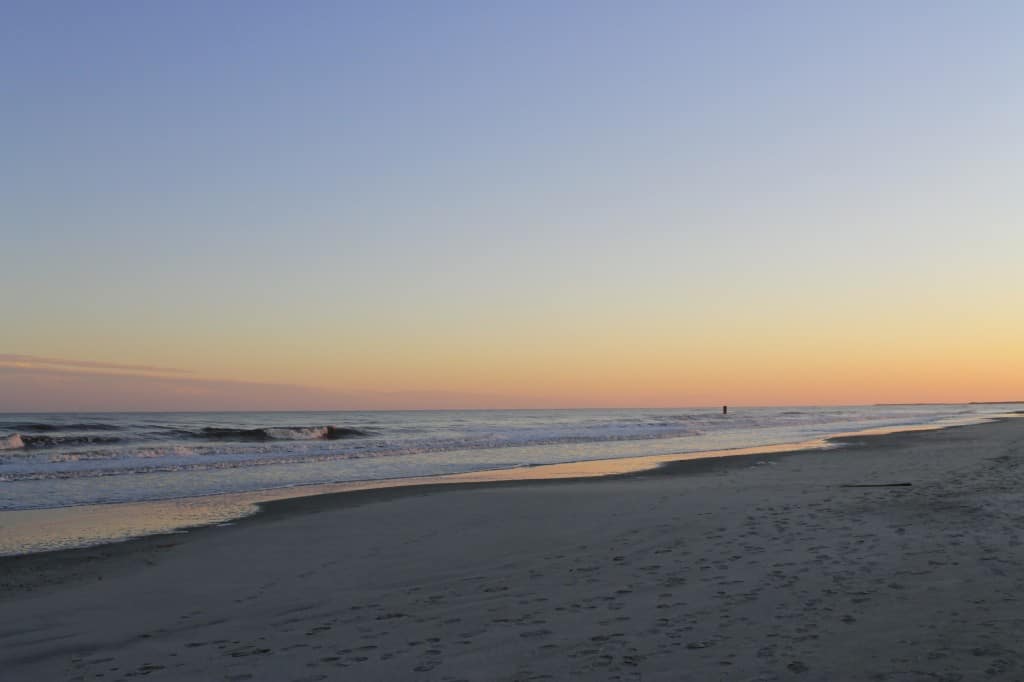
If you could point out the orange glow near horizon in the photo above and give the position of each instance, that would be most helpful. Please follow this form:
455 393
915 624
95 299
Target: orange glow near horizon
809 353
819 369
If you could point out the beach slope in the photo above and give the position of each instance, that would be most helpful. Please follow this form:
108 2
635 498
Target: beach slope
767 567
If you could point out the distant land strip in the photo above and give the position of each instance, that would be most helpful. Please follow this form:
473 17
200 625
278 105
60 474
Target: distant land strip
972 402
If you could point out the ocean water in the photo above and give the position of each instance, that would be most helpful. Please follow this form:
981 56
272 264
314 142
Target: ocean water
68 460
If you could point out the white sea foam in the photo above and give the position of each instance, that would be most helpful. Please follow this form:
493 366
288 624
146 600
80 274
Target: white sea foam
12 442
308 433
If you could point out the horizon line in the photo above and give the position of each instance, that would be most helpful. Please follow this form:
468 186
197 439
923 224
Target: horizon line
517 409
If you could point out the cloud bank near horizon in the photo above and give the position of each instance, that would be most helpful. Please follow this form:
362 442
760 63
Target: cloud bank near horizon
34 361
62 387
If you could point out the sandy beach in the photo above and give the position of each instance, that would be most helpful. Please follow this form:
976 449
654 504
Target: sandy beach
762 567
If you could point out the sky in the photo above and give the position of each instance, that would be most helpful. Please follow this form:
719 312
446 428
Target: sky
345 205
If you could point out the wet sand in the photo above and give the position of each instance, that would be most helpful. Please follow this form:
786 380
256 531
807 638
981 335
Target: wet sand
757 567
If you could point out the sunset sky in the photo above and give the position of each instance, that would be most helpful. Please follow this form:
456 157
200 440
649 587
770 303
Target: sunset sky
249 205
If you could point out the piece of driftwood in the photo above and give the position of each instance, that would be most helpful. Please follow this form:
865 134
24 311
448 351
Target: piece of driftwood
873 485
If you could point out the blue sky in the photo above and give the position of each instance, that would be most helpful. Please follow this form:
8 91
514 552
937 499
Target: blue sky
183 178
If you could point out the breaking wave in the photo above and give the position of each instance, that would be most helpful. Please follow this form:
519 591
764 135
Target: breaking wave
42 436
12 442
281 433
64 441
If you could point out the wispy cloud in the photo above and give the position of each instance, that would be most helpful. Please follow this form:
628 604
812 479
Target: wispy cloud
26 387
36 362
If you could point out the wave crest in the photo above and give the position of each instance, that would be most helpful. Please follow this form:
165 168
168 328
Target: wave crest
12 442
281 433
59 441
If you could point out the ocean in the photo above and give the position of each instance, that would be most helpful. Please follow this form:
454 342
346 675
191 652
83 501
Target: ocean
77 480
70 460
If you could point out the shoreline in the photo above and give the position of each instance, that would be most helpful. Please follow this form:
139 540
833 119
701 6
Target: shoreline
90 526
35 569
713 568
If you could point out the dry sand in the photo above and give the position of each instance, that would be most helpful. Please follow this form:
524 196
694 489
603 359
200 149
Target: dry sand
748 568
